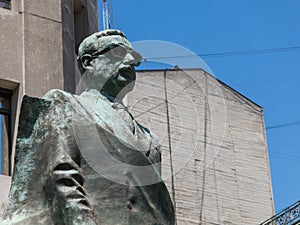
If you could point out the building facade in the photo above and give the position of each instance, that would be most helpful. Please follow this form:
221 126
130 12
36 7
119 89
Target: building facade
38 42
215 158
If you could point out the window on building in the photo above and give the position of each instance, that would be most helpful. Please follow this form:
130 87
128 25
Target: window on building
5 131
6 4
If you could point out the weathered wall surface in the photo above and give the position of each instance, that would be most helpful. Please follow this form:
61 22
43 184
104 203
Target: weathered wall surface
4 189
42 51
217 138
80 19
11 47
37 45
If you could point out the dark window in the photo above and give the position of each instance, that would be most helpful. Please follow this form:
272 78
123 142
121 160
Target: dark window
5 131
80 23
6 4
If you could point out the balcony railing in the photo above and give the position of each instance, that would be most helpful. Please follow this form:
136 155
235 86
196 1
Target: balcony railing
288 216
5 4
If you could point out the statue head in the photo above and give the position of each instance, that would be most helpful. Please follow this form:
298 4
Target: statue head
106 61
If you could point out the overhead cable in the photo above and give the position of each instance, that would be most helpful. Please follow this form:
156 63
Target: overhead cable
233 53
295 123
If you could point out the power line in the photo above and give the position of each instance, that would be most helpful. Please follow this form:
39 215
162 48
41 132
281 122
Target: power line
234 53
295 123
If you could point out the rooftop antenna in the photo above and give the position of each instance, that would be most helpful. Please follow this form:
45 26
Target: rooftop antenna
107 15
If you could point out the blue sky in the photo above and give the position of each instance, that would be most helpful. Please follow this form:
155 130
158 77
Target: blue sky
269 78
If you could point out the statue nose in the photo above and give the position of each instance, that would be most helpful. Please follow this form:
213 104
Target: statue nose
129 59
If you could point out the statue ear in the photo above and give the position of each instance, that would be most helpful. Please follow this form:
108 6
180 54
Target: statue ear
86 60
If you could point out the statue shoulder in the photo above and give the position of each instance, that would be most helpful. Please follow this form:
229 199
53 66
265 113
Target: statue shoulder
58 95
34 110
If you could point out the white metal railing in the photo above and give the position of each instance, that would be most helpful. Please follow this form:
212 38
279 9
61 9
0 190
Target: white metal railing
288 216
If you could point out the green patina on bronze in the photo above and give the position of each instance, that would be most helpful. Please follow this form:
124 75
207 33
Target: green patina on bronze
83 159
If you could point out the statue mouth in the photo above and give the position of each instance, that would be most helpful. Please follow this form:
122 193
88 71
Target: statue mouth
128 73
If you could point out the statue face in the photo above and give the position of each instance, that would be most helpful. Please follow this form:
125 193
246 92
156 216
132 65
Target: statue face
112 68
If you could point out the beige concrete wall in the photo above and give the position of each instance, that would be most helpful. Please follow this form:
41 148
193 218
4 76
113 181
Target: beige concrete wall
220 167
38 48
39 51
4 189
50 10
42 53
33 45
80 19
11 46
11 58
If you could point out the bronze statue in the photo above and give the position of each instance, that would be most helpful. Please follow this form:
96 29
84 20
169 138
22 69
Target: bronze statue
83 159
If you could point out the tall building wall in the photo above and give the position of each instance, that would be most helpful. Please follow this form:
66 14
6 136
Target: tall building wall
216 137
38 40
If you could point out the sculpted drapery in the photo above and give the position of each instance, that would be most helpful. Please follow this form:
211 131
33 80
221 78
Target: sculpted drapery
83 159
